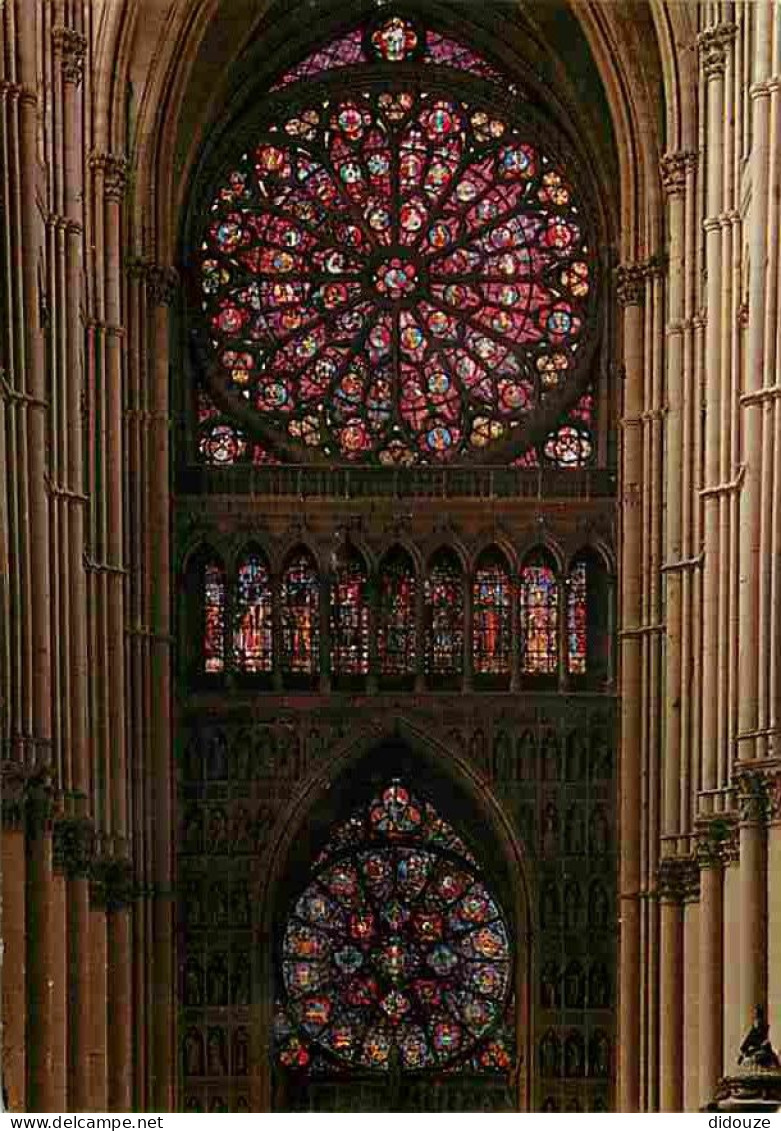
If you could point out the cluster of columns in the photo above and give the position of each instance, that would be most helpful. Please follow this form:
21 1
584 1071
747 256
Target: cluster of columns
700 678
79 898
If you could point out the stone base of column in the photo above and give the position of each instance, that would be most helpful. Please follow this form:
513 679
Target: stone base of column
757 1090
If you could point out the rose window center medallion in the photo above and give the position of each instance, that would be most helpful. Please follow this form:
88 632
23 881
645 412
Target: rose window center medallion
396 278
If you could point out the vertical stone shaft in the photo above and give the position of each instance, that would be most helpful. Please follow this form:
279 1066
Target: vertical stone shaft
630 294
712 53
753 893
752 745
14 1002
671 1000
120 1016
711 976
163 976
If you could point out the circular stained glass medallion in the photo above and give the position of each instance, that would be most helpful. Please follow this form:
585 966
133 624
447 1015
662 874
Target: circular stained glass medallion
397 275
396 951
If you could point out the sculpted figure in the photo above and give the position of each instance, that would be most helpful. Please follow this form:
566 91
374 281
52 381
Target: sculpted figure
756 1050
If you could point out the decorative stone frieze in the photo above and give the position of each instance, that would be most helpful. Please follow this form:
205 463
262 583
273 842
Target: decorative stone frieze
14 793
70 46
630 284
752 796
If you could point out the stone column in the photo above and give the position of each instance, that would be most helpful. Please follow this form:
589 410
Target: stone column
674 876
630 292
120 1013
14 989
774 901
73 853
753 802
716 838
97 1049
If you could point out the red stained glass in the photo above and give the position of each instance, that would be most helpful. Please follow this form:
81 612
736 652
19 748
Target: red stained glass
396 644
396 951
444 593
350 619
396 276
253 633
539 612
300 615
577 619
491 605
214 618
221 445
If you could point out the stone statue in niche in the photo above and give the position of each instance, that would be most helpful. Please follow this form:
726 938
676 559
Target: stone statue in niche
598 987
216 1053
549 986
218 1104
193 983
574 1105
574 986
217 832
218 904
550 830
262 828
550 1055
241 904
549 757
574 1055
241 754
193 1053
503 761
572 905
599 832
217 757
598 905
242 1105
599 1055
574 838
549 907
193 1106
240 1052
756 1050
192 834
574 756
241 981
217 981
600 757
550 1104
242 830
193 905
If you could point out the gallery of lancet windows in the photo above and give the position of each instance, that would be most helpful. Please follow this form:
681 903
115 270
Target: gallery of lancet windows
399 622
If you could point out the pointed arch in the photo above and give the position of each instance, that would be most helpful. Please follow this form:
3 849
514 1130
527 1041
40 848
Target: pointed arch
397 642
491 614
444 596
253 614
299 605
538 597
349 616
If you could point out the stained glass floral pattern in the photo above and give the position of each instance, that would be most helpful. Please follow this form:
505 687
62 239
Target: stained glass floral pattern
539 616
213 618
444 594
396 643
491 616
395 276
577 619
350 619
396 951
253 633
300 615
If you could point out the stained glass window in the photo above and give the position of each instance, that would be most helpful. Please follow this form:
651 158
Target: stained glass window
444 594
571 445
396 275
300 615
539 617
253 632
350 618
391 40
396 952
491 612
213 618
396 643
577 619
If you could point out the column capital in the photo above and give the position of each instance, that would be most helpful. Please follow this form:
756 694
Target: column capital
717 842
713 44
678 879
113 167
74 846
111 882
630 284
70 46
752 795
673 168
162 284
13 791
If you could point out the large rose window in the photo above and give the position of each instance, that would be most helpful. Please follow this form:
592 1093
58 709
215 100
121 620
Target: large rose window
396 953
396 274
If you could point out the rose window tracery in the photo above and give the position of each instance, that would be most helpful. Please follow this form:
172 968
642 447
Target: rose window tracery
396 951
394 274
